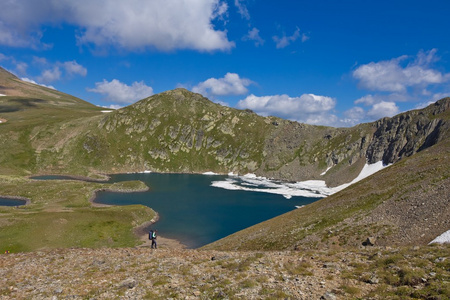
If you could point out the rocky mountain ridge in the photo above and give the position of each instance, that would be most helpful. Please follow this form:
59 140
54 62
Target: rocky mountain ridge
179 131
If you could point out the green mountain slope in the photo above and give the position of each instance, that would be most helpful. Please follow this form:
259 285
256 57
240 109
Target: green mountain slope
407 203
180 131
32 116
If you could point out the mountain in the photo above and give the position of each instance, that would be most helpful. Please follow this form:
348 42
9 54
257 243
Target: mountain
48 132
30 116
12 86
180 131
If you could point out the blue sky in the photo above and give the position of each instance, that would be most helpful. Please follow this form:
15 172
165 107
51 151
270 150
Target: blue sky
336 63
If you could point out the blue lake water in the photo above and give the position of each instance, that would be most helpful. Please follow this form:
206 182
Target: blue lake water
196 213
11 202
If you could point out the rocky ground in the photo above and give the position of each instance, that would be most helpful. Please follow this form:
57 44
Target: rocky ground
144 273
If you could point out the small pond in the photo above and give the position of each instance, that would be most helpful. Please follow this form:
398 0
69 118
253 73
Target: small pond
11 202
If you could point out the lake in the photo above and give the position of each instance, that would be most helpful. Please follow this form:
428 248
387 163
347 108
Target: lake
11 202
196 213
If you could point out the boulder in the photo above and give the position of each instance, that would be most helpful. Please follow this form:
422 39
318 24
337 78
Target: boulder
370 241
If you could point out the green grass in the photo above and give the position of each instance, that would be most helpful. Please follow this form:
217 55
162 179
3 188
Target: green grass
60 216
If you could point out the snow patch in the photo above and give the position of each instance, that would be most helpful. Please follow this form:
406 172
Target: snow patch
262 184
443 238
210 173
2 95
106 111
321 174
365 172
308 188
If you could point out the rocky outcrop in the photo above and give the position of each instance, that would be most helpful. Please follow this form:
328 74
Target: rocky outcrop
180 131
404 135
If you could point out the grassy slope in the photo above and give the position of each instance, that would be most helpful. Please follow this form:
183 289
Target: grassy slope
403 204
60 215
34 115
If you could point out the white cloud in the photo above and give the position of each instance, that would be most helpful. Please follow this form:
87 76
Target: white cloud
355 113
118 92
34 82
253 35
40 61
242 9
113 106
308 108
284 41
133 25
433 99
50 75
230 84
377 98
74 68
304 37
383 109
439 96
391 76
56 71
21 68
3 57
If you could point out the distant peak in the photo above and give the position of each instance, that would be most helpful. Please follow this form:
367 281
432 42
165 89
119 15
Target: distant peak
179 91
184 94
4 72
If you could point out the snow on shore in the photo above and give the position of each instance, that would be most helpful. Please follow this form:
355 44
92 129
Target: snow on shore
210 173
309 188
443 238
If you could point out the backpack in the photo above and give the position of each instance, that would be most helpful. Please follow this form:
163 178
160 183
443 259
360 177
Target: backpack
151 235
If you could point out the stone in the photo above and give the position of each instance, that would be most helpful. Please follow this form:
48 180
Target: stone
374 280
370 241
128 283
328 296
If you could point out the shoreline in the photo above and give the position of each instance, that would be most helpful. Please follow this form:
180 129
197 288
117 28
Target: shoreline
27 201
96 204
74 177
142 232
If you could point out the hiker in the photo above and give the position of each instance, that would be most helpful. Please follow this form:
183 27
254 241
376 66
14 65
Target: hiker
152 237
